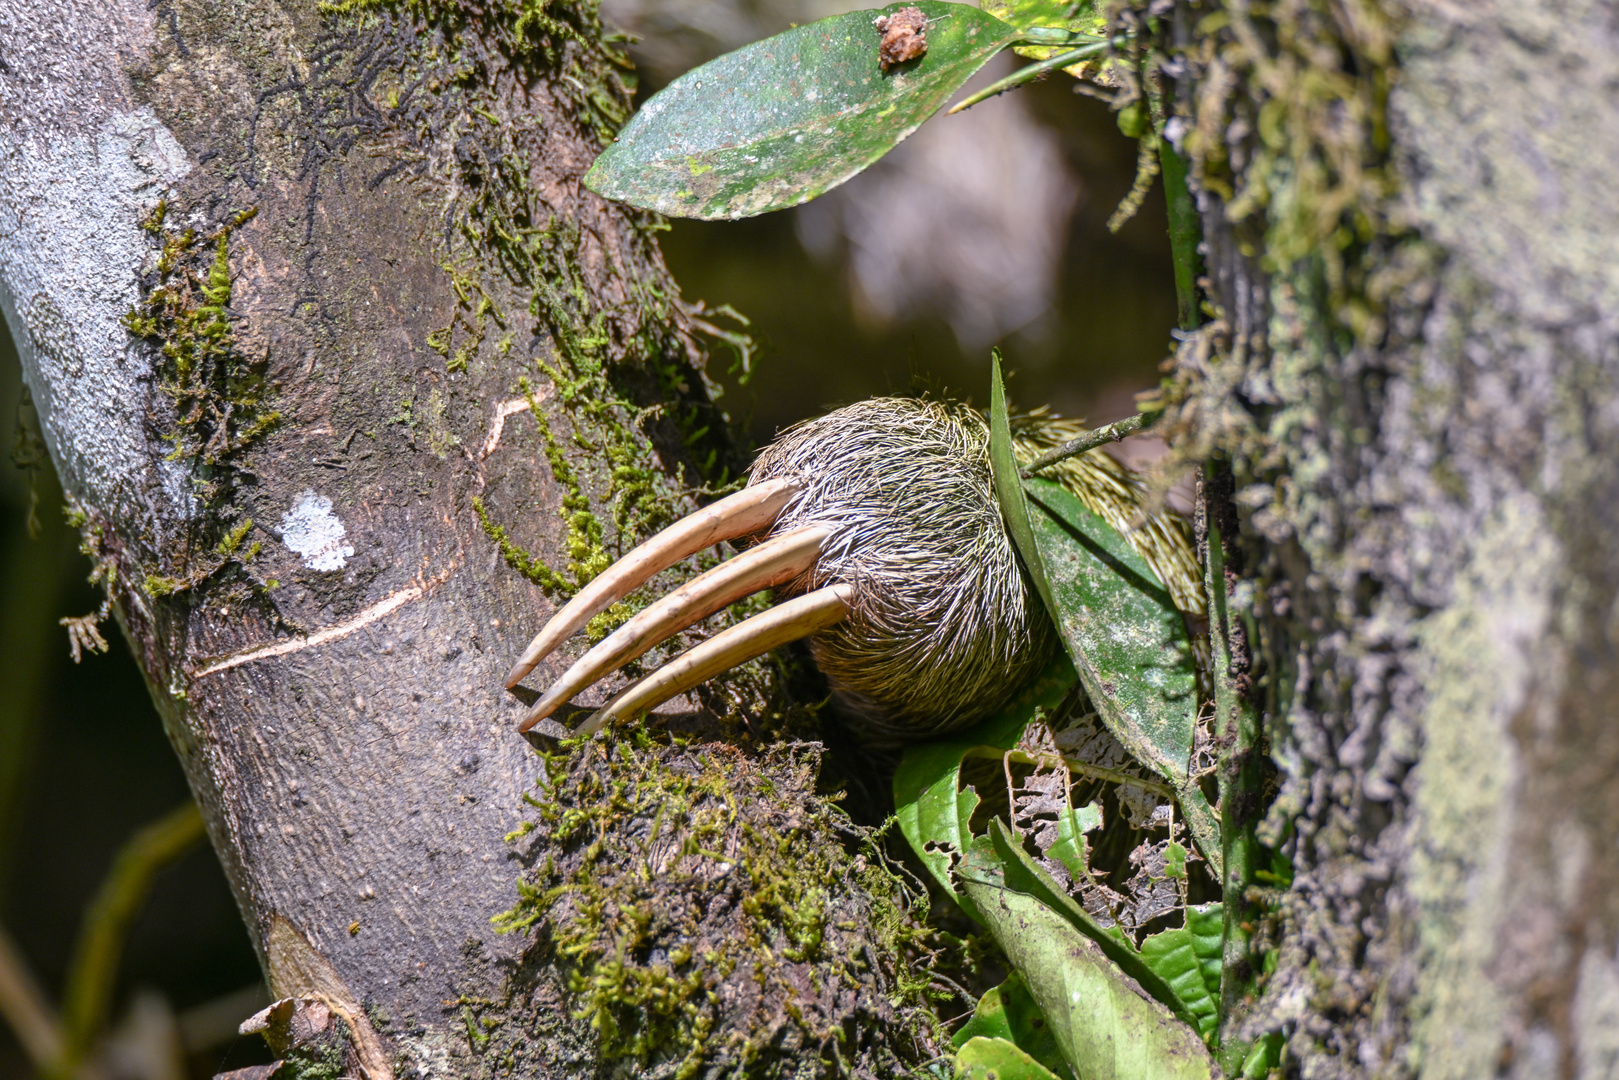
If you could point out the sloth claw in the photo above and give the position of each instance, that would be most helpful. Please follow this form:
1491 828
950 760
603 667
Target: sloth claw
748 511
774 562
796 618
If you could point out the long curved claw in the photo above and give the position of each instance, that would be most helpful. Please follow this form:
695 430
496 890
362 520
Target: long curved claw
748 511
797 618
773 562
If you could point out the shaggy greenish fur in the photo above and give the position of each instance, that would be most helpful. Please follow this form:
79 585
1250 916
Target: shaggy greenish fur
944 625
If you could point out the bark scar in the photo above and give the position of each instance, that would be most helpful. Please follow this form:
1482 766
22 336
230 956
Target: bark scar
381 609
297 969
497 422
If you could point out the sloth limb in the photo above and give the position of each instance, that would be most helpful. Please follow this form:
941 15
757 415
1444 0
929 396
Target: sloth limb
885 536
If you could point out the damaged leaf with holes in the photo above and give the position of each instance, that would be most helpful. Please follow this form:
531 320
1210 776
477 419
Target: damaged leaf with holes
1086 981
932 806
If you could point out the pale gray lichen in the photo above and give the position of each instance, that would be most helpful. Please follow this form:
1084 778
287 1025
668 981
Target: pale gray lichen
315 533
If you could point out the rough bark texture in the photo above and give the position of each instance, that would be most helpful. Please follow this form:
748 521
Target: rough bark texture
1410 234
338 360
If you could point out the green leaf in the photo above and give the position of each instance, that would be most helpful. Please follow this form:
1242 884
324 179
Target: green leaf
1127 638
1104 1023
1128 641
1000 859
778 122
1008 487
1264 1057
932 808
1010 1012
1071 847
998 1059
1188 959
1078 18
1175 861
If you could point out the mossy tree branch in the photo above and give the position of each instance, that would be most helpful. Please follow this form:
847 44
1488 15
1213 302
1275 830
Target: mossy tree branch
372 228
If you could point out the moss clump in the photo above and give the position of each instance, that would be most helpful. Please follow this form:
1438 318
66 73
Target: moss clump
1314 89
1284 114
220 397
710 914
319 1059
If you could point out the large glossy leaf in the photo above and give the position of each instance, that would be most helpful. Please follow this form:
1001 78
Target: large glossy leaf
778 122
932 807
1107 1027
1188 959
985 1058
1010 1012
1127 639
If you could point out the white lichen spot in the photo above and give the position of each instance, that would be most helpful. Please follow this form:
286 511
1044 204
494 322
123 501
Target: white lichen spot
313 531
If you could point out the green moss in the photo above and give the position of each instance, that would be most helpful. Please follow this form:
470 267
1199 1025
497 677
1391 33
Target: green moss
162 585
220 396
318 1059
1316 88
690 891
528 565
234 538
1286 123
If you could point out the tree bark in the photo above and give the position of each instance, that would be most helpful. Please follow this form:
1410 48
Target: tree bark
321 324
1409 221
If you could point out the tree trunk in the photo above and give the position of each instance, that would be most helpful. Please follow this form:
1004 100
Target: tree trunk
1410 230
338 360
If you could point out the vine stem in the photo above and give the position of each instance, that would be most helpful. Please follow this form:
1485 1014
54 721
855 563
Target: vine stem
1238 733
90 978
1089 440
1185 229
1030 73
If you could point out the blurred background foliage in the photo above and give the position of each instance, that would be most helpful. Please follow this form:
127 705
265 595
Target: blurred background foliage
984 228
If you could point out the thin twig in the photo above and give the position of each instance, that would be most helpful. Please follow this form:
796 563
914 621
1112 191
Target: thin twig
1074 765
1030 73
1090 440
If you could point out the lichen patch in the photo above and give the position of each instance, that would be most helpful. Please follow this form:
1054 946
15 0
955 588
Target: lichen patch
315 533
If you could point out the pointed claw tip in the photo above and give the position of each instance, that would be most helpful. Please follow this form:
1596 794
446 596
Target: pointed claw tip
592 724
